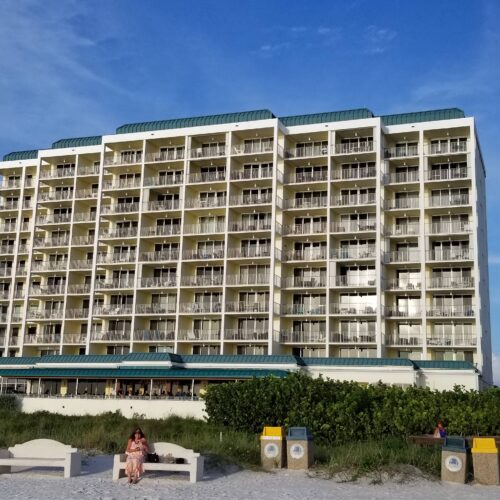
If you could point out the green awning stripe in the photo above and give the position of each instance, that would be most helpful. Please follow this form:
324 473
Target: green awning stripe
77 142
333 116
21 155
423 116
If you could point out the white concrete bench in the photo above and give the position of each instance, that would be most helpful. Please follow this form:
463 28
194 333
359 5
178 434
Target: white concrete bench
41 453
193 461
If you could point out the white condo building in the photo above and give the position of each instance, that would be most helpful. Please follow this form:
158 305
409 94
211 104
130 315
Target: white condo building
332 235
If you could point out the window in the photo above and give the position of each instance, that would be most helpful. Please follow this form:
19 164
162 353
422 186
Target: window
117 349
252 350
206 349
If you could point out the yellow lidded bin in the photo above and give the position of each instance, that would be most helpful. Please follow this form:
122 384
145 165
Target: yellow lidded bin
485 461
272 448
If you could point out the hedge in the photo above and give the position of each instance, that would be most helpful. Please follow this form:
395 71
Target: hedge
339 412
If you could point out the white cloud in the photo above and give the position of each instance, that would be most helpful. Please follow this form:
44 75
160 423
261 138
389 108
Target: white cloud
496 368
378 39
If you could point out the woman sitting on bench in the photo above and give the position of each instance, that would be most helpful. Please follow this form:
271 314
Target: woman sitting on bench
137 449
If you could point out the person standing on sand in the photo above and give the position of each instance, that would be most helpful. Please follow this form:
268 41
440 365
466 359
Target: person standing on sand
137 449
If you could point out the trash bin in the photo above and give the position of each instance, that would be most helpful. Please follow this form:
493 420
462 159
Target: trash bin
485 461
299 445
272 448
454 461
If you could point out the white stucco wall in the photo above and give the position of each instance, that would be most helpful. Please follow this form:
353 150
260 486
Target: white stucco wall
128 407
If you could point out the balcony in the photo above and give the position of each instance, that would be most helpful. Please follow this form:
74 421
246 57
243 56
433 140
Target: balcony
39 265
458 282
403 284
354 281
116 258
77 289
89 170
7 249
219 201
402 203
81 264
161 205
8 228
45 314
208 151
450 147
402 177
200 177
247 307
409 229
403 151
154 336
456 227
115 284
351 148
84 217
76 313
305 255
83 240
451 311
307 151
402 312
246 335
360 309
300 229
161 308
315 202
353 226
299 282
457 341
170 155
352 200
410 255
164 180
53 219
399 340
57 173
217 253
9 205
74 338
119 208
254 173
253 148
347 174
250 199
6 271
163 255
354 252
198 335
47 290
157 282
205 228
301 309
111 335
450 255
166 230
249 226
448 201
201 307
10 183
302 177
134 182
349 338
252 279
54 338
249 252
214 280
131 158
55 195
113 310
300 337
448 174
51 242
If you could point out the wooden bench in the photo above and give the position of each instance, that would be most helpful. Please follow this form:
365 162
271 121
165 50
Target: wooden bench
41 453
193 462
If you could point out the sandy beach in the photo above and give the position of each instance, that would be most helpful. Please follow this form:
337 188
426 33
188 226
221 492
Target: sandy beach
95 482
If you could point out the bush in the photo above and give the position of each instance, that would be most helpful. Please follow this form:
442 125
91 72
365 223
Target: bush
8 403
341 412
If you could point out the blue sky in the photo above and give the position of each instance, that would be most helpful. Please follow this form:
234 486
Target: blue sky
77 68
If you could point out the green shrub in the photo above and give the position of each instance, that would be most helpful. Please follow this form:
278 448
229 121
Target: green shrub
8 403
342 412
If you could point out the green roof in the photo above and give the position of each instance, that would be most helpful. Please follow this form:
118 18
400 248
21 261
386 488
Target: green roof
141 373
357 362
444 365
21 360
196 121
21 155
239 359
68 358
152 356
77 142
423 116
333 116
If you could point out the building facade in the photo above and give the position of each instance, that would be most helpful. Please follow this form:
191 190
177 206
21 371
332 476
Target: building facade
338 235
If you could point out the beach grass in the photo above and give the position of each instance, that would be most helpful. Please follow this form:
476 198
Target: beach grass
108 433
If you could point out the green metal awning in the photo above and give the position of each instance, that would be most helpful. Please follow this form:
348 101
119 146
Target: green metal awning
21 155
333 116
76 142
357 362
423 116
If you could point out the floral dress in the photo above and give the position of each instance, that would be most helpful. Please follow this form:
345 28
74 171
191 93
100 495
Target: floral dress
135 459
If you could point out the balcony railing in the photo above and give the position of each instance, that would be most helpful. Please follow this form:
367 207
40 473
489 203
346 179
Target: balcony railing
53 219
255 173
403 284
252 148
350 148
54 338
199 177
402 177
205 228
250 199
119 208
84 217
400 340
51 242
314 228
6 271
165 180
250 252
439 341
247 307
83 240
79 288
246 335
299 282
259 225
89 170
306 151
55 195
402 312
200 307
113 310
114 335
458 282
214 280
299 337
354 281
219 201
57 173
76 313
301 309
198 335
166 230
349 200
161 308
301 177
209 253
346 174
449 227
163 255
411 228
252 279
208 152
448 201
114 284
353 226
450 311
7 228
353 309
45 314
315 202
81 264
157 282
401 203
401 151
303 255
9 205
447 147
7 249
49 266
74 338
450 255
123 159
113 258
447 174
349 338
10 183
134 182
354 252
410 255
172 155
154 336
161 205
